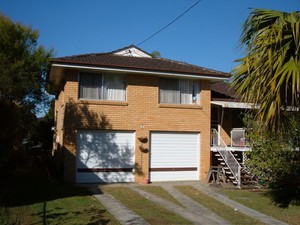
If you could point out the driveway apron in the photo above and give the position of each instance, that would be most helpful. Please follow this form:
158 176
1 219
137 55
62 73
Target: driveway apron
120 212
193 212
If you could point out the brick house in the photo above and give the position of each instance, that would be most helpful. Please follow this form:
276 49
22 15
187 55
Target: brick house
125 116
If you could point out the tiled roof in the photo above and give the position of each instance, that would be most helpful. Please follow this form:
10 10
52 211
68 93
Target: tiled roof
222 90
137 63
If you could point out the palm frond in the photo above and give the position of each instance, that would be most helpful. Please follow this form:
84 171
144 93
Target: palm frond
269 73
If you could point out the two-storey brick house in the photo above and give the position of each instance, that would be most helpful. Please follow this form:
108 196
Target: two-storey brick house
125 116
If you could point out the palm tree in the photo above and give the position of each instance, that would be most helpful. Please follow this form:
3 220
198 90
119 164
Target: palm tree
269 74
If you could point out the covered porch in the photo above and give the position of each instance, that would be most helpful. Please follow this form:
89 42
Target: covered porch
228 136
227 126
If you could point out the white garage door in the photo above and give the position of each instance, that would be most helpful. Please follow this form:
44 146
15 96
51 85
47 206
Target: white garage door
105 156
174 156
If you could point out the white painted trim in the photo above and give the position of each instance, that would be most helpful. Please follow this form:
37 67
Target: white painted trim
238 105
132 52
203 77
199 155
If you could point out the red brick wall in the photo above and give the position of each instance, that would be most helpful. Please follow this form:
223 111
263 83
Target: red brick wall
141 108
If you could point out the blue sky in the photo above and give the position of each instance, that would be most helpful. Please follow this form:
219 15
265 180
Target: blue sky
207 35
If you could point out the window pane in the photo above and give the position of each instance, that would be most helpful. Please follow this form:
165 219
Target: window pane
196 90
186 89
90 86
169 91
179 91
114 87
103 87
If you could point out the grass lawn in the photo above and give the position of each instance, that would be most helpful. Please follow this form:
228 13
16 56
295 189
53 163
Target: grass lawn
257 199
30 199
233 217
151 212
160 192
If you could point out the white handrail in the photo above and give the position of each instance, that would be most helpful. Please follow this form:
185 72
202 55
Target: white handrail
229 158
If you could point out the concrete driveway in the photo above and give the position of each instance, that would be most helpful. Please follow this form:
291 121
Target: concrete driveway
192 210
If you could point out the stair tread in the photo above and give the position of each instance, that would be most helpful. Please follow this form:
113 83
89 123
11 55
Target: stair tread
247 176
249 182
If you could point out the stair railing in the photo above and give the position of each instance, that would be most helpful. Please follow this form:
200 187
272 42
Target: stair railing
229 159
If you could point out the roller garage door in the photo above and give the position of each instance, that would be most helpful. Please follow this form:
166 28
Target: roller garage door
174 156
105 156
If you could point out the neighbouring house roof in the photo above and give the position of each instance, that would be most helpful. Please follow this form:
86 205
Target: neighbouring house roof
222 90
132 59
226 97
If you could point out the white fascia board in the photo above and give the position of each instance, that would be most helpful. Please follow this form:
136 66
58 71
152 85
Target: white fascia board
236 105
204 77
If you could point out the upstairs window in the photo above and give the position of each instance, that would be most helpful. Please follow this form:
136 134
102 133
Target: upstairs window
102 86
179 91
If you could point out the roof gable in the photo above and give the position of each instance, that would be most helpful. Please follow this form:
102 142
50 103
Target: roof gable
132 51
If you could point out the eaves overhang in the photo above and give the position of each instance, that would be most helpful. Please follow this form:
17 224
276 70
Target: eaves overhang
57 72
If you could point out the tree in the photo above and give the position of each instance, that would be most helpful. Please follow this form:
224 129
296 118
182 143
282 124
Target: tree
156 54
23 70
23 65
42 132
272 157
275 159
269 74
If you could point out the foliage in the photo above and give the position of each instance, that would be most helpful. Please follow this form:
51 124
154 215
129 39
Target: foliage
275 158
42 131
23 64
269 74
156 54
272 156
22 88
